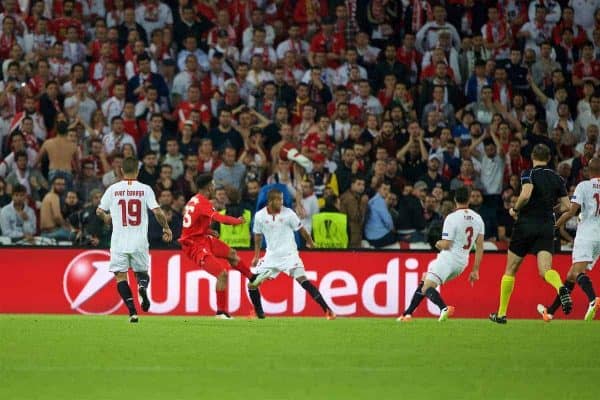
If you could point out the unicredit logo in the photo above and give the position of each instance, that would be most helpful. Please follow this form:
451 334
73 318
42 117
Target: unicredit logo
89 285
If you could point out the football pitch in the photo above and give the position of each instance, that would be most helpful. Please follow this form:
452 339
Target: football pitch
84 357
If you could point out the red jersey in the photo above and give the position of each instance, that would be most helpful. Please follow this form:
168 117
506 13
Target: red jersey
198 215
333 44
60 26
184 109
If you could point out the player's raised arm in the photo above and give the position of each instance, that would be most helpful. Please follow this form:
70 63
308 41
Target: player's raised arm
474 275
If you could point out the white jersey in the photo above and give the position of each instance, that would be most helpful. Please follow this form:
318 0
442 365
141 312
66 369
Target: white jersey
587 195
462 227
128 202
278 230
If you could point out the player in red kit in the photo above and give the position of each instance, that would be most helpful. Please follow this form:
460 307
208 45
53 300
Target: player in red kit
201 244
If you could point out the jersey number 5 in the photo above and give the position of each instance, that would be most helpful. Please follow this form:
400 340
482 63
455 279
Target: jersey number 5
131 212
189 209
469 233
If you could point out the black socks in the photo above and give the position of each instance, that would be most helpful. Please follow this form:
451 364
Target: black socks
556 304
585 283
435 297
125 292
315 294
416 300
256 301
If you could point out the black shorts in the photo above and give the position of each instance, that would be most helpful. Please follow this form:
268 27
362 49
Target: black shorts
531 238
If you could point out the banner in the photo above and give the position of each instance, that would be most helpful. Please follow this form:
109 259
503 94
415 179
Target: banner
72 281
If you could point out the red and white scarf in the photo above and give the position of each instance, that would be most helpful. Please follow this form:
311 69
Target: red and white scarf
420 7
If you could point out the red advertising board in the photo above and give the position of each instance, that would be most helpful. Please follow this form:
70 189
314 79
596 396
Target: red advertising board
354 283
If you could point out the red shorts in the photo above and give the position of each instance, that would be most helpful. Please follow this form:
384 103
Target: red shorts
208 252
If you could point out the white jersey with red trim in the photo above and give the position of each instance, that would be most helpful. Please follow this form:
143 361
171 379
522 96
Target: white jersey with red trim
128 202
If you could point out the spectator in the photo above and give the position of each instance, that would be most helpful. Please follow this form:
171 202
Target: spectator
354 203
224 135
5 197
94 231
379 227
505 220
116 172
117 138
250 195
52 223
113 107
174 218
173 158
187 182
230 172
487 213
17 142
149 171
87 182
413 156
62 155
17 219
34 182
467 176
492 167
412 216
309 203
433 178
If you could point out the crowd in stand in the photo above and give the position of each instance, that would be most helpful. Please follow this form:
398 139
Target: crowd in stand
372 109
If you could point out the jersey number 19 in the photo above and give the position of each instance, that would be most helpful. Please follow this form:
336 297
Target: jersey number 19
131 212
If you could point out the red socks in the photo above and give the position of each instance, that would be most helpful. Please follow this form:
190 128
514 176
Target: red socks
222 301
243 268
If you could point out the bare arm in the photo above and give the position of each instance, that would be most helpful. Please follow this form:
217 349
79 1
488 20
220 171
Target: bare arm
524 197
443 244
538 92
257 246
306 236
103 214
478 257
162 220
568 215
401 155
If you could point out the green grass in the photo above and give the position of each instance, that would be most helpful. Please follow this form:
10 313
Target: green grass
77 357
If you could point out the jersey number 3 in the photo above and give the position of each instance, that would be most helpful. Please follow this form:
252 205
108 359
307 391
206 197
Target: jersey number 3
469 233
131 212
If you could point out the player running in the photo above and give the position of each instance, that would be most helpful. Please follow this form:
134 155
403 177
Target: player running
201 245
586 248
533 232
127 202
460 229
278 224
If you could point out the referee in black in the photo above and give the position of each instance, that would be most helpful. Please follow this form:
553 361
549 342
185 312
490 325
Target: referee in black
533 233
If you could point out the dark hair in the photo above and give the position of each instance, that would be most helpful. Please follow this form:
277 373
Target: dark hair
18 188
20 153
203 180
130 165
594 166
540 152
461 195
330 202
273 193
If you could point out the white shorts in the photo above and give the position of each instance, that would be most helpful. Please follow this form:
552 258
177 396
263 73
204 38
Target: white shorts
289 265
586 251
138 261
444 268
